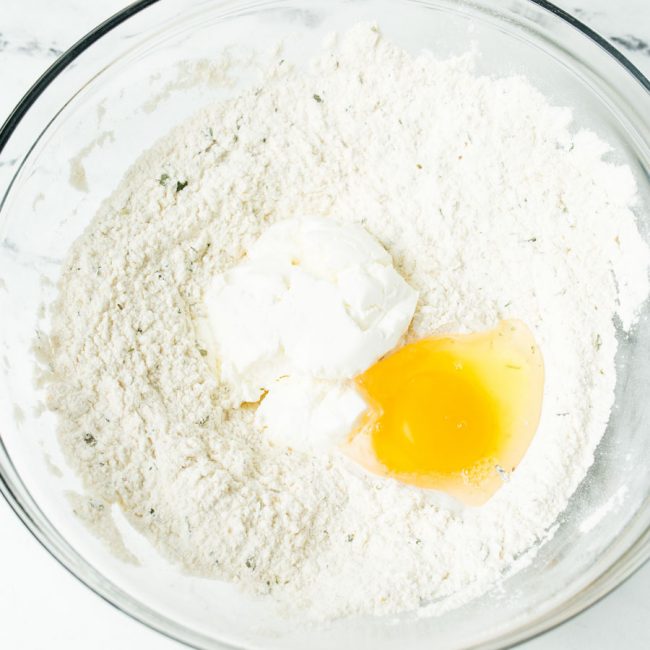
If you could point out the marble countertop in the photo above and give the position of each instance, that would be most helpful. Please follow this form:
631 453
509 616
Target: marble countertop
42 605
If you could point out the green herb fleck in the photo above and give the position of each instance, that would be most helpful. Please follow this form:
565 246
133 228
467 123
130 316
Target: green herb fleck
203 353
532 240
89 439
418 165
181 185
350 537
512 366
120 306
318 98
598 342
250 563
163 179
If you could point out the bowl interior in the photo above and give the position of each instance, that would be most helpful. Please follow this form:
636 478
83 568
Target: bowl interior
127 90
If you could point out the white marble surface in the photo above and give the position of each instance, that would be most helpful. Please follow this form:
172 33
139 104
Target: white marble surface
41 605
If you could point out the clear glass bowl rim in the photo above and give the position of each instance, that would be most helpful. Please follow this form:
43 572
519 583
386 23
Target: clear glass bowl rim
612 577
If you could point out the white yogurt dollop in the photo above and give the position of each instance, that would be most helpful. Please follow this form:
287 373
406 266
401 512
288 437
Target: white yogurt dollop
312 304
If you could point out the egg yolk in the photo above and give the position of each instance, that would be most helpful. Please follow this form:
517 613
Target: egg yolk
452 413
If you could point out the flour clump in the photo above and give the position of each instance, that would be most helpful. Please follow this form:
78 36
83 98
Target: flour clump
491 206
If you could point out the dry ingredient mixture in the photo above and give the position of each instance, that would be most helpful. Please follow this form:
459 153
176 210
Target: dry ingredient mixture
491 206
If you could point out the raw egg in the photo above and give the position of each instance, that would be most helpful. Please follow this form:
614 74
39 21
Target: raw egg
454 413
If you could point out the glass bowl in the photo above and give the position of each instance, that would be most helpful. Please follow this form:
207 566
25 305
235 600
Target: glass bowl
124 85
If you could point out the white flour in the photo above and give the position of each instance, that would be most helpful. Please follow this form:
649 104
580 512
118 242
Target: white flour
491 208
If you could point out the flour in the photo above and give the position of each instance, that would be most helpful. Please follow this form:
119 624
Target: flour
491 207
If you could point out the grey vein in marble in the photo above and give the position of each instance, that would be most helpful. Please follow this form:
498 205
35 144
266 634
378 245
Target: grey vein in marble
632 43
29 48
